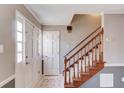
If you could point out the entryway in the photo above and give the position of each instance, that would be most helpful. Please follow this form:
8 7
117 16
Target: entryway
51 52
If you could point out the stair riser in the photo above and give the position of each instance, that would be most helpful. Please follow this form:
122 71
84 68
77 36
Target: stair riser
84 77
77 83
93 71
100 67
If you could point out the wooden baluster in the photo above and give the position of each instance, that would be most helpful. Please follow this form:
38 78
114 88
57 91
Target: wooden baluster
74 66
102 44
88 56
69 73
92 53
81 61
85 58
95 52
78 64
65 62
99 48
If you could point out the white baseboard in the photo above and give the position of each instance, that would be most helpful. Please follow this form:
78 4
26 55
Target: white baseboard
113 65
7 80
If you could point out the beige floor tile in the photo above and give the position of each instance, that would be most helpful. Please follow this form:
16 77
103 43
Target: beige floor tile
52 82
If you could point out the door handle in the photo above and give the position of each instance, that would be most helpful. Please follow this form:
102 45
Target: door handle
27 63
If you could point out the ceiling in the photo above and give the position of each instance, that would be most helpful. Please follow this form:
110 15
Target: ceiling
62 14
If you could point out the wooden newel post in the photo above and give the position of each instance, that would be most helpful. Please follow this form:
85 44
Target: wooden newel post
65 75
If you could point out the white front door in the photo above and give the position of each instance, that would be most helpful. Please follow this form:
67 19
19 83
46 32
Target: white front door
51 52
28 54
20 64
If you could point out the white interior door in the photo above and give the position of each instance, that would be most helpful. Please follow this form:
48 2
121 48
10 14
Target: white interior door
51 52
28 54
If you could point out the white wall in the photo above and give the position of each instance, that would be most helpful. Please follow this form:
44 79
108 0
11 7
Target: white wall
114 39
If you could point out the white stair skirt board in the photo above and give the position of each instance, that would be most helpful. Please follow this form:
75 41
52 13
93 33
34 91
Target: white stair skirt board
7 80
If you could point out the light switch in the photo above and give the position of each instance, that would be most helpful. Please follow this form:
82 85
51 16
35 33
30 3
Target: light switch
122 79
1 48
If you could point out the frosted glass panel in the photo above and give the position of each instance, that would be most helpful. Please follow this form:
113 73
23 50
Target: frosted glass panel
19 57
19 36
19 47
19 26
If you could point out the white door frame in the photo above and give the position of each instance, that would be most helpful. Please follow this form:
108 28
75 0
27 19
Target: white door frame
43 72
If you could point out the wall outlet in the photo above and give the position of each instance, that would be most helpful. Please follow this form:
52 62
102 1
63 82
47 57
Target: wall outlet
1 48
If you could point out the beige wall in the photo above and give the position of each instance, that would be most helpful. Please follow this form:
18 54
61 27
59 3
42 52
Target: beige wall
7 38
114 39
83 25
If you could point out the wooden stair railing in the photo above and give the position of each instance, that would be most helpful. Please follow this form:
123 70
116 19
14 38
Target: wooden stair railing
85 62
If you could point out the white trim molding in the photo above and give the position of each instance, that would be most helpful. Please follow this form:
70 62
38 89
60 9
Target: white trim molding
7 80
36 16
113 65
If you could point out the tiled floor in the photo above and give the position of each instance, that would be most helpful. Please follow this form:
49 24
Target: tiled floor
52 82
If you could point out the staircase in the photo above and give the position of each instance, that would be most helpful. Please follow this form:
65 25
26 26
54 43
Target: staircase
84 60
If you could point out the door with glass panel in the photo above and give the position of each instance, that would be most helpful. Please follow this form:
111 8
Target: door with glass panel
20 68
24 53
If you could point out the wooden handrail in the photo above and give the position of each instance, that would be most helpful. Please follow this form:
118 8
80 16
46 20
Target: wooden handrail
84 45
83 40
77 59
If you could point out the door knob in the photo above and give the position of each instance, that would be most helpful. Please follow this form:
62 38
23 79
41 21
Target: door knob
27 63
